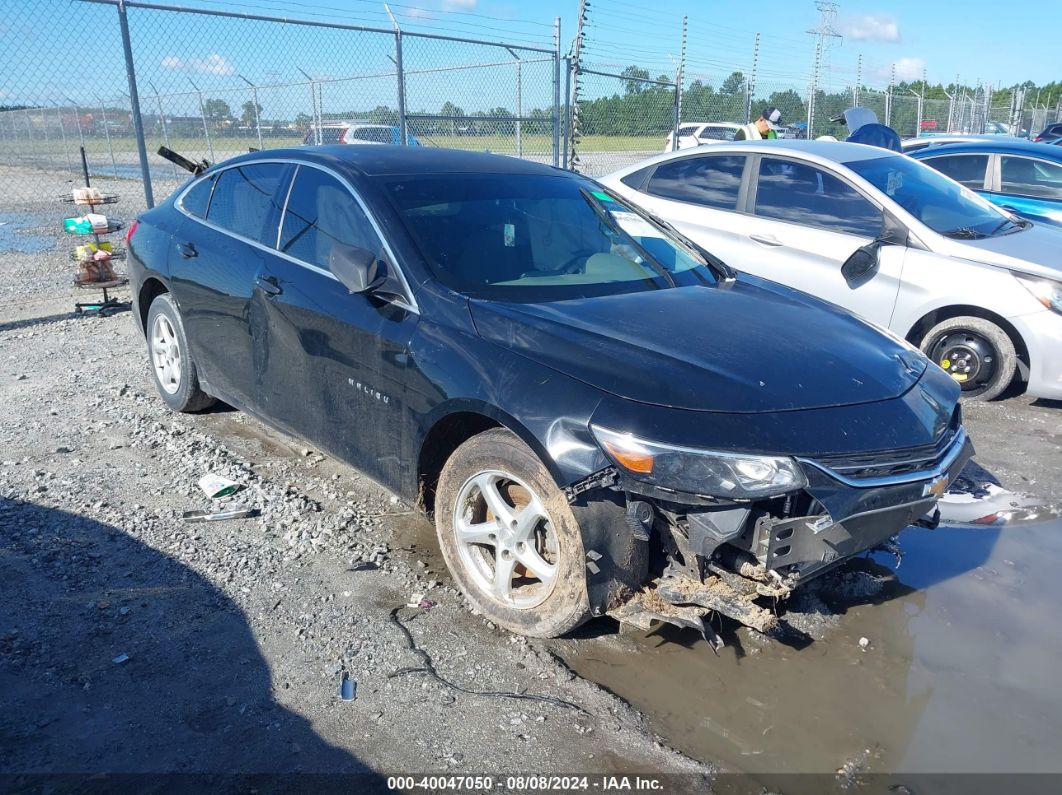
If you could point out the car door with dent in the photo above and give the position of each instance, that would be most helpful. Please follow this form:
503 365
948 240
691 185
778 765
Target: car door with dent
331 365
804 222
232 215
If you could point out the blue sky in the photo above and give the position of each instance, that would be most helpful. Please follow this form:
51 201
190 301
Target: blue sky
978 40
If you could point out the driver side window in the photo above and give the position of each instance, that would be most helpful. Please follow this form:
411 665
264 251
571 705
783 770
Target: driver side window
321 214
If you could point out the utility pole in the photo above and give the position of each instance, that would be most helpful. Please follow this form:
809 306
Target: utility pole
573 108
254 100
202 114
519 101
859 81
556 90
679 78
750 84
888 97
823 34
313 105
401 77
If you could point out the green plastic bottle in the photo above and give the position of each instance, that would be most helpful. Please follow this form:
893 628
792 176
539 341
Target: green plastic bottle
77 226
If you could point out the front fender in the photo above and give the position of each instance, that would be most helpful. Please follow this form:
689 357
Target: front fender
457 371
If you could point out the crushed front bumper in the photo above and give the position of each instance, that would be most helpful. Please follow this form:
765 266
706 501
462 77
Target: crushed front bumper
741 559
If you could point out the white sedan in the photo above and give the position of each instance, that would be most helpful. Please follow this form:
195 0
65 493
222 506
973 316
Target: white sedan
702 132
880 234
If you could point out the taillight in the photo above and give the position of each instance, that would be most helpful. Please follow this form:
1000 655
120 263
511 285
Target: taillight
132 229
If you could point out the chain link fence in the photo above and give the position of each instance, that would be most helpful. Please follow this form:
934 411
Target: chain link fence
618 120
215 84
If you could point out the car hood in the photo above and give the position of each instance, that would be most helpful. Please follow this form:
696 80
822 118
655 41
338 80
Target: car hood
737 347
1036 250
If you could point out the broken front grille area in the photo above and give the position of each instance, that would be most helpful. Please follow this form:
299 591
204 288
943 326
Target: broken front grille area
891 463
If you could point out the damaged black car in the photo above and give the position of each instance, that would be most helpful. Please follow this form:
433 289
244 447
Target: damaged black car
602 417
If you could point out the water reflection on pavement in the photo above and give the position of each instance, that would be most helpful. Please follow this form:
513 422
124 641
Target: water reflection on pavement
959 673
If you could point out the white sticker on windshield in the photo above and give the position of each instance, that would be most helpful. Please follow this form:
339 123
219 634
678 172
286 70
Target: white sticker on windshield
510 235
895 182
634 225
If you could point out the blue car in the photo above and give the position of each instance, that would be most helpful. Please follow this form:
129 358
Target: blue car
1020 176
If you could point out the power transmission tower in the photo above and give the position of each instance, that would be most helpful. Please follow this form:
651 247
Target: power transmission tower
824 34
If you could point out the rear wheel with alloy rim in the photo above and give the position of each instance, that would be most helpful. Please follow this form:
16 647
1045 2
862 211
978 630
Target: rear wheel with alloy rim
509 537
172 367
976 353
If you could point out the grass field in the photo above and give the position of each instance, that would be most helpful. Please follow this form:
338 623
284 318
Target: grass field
98 147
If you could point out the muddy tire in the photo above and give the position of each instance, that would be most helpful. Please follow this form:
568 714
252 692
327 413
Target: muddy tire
975 352
509 537
172 366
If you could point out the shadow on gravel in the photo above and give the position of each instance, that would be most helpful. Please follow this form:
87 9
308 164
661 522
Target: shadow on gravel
194 696
29 322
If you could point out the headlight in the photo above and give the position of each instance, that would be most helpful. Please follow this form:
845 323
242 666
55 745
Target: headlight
734 475
1047 292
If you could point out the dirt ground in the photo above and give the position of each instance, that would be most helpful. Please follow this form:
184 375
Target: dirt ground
132 641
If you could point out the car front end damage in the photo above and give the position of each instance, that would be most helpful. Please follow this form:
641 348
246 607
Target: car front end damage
687 555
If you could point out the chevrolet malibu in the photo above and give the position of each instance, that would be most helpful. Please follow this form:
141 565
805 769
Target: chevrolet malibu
601 416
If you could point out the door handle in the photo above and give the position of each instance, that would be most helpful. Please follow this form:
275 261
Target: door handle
187 250
766 240
268 285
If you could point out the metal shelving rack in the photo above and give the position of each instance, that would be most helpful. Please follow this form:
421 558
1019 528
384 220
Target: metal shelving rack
108 305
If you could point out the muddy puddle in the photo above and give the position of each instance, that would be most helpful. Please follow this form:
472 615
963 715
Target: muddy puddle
17 233
959 674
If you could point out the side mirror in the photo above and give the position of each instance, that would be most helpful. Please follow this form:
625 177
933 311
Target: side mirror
862 263
360 271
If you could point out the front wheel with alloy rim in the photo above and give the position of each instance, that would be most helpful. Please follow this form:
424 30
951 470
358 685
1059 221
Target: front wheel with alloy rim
976 353
172 366
509 537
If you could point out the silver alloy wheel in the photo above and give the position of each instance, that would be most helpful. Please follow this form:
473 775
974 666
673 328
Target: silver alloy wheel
505 539
166 354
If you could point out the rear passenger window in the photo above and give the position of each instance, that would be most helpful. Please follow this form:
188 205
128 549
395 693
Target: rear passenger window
247 200
376 135
1023 176
717 134
968 170
331 135
802 194
711 181
197 198
322 214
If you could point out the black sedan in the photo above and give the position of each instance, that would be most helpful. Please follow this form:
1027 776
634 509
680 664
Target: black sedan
602 417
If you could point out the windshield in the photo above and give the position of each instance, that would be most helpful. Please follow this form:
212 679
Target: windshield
538 238
935 200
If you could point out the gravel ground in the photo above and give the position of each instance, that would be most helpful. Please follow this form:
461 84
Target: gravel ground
133 641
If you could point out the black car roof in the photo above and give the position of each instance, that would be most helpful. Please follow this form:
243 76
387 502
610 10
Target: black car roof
384 160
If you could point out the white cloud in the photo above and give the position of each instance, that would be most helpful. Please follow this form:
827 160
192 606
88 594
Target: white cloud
420 13
871 27
910 68
213 64
461 5
907 69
